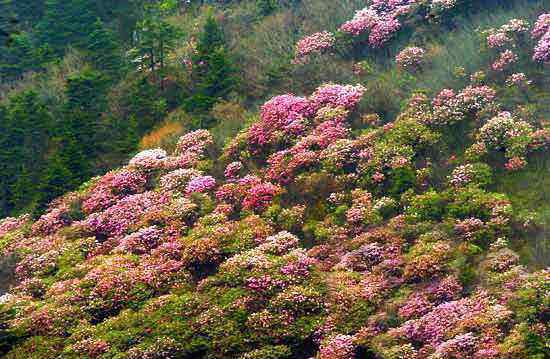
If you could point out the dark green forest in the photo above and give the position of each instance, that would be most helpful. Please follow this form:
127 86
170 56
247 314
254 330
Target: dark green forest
82 81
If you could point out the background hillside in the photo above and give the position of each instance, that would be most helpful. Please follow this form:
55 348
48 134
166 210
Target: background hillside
274 179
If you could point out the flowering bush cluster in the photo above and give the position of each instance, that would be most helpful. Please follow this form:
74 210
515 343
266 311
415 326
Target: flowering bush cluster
541 32
314 236
248 193
9 224
504 133
112 187
410 58
507 33
381 20
314 43
505 59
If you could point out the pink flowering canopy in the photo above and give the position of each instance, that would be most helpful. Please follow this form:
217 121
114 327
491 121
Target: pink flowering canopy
323 229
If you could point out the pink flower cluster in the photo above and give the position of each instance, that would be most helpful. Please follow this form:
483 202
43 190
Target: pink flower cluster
286 117
518 79
383 31
505 132
112 187
232 170
149 159
9 224
178 179
363 20
542 26
249 192
505 59
433 327
542 49
410 58
380 19
333 95
142 241
338 347
515 163
200 184
461 346
259 196
314 43
195 142
449 107
118 218
498 39
468 227
52 220
505 34
422 302
281 116
462 175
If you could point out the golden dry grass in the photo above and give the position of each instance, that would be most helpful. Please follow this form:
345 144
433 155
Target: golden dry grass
160 135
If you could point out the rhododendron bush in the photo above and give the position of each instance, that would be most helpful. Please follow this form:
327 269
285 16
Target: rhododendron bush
321 230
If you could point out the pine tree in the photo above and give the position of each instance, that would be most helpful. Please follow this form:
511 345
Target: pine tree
66 23
103 49
24 142
55 180
213 71
85 93
156 38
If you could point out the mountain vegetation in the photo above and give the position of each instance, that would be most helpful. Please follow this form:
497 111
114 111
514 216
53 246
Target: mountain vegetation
274 179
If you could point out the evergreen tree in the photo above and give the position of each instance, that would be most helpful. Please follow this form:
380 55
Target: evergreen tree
66 22
214 74
24 142
156 38
86 94
56 179
104 50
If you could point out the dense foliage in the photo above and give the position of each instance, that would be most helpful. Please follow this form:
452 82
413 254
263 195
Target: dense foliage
400 214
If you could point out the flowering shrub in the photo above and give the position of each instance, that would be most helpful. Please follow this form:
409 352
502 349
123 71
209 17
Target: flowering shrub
337 96
505 59
313 43
200 184
542 26
503 132
249 192
338 347
232 170
141 241
518 79
149 159
52 221
542 49
118 218
178 179
331 234
410 58
363 20
281 116
476 173
112 187
194 142
449 108
9 224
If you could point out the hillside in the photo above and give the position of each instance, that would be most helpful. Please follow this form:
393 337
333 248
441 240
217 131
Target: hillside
322 180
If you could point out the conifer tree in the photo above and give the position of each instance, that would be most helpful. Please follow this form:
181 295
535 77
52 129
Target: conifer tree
214 73
66 22
104 49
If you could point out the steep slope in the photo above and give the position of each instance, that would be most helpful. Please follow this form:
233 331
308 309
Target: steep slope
322 230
